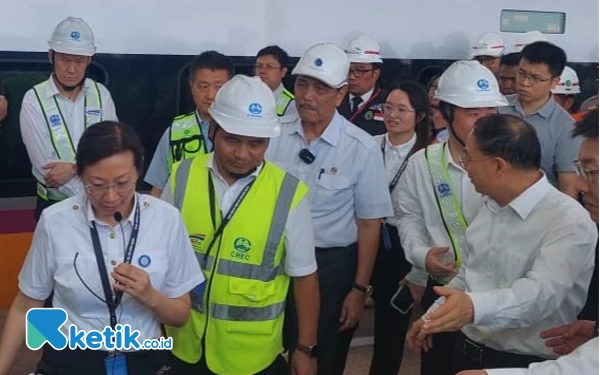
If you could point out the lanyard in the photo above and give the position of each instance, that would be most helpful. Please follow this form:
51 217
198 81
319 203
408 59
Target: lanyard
365 105
399 171
232 210
111 302
198 121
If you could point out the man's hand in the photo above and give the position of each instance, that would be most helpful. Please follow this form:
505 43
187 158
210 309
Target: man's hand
302 364
3 107
135 282
417 340
416 290
352 309
434 264
456 312
472 372
566 338
59 173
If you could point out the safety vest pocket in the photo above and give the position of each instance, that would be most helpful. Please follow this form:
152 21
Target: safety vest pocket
252 290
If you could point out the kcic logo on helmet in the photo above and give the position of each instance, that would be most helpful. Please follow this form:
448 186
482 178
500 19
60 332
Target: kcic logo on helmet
255 110
483 85
75 35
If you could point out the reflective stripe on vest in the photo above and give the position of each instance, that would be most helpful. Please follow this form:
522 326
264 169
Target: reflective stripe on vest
57 126
283 101
246 286
450 209
185 139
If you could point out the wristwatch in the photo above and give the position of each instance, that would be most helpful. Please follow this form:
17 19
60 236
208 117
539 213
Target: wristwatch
367 290
311 351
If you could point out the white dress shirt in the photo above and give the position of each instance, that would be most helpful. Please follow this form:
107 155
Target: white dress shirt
365 97
582 361
299 236
420 225
393 160
64 231
37 139
528 268
346 180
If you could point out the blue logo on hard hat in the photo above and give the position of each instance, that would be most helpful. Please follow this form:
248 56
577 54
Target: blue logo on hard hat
444 190
255 109
55 120
75 35
318 62
483 84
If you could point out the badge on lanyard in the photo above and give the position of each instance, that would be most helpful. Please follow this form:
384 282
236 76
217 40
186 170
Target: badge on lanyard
116 364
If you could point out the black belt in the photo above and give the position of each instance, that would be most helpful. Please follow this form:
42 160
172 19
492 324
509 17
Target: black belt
475 351
336 248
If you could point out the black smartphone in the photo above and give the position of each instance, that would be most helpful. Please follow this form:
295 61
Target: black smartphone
402 300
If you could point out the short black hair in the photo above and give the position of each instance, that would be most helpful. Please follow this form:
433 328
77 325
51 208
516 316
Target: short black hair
277 52
510 138
587 127
212 60
546 53
511 59
105 139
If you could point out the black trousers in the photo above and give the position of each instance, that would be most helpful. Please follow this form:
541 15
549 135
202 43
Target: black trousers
470 355
438 360
178 367
336 272
91 362
391 326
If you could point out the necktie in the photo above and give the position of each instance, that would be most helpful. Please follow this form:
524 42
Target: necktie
356 101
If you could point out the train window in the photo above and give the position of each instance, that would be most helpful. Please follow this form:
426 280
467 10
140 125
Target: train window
521 21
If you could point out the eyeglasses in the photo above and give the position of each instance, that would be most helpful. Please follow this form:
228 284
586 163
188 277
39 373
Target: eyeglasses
119 187
464 160
359 72
260 66
390 109
523 75
588 174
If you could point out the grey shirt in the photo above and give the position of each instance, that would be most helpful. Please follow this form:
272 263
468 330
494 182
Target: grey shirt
553 126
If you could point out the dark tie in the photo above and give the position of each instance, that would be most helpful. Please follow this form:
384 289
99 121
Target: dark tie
356 101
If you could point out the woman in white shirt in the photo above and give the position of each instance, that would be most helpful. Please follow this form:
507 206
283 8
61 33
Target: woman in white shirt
113 258
406 119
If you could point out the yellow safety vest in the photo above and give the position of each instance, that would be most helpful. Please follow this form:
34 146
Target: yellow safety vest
450 209
59 132
283 101
237 322
185 139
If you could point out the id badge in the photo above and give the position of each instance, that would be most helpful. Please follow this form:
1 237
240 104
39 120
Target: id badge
116 364
387 241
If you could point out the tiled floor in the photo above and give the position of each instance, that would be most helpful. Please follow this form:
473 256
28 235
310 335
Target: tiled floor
359 358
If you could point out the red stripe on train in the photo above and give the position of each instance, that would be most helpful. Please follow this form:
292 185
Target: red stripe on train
16 221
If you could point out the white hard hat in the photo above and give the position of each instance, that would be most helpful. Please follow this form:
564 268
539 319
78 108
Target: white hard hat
528 38
469 84
363 49
74 37
246 106
488 44
325 62
569 83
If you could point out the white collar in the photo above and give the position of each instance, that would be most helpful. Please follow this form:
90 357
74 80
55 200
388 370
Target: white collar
213 168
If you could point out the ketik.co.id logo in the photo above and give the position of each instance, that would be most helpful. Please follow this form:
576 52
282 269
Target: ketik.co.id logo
43 326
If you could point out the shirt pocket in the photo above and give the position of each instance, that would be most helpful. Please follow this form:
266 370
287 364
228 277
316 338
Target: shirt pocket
332 184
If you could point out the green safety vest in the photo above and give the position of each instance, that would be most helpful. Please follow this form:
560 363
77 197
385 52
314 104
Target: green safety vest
283 101
185 139
237 323
450 209
59 132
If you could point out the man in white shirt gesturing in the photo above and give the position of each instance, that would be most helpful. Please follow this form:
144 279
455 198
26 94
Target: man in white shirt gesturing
529 255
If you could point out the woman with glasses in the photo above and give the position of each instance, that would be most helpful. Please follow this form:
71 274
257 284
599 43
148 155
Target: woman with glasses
114 258
406 119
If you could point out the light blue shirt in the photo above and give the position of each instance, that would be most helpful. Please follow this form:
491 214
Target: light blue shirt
347 179
158 171
553 126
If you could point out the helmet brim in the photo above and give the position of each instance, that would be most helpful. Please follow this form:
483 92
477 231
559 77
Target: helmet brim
246 128
302 71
